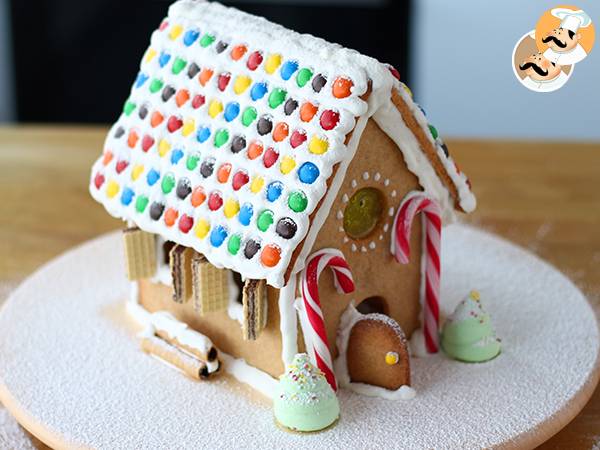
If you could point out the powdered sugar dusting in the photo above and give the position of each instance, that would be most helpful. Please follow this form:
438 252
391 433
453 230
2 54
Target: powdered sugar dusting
71 314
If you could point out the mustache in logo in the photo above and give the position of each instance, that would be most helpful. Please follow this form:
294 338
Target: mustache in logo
541 72
555 40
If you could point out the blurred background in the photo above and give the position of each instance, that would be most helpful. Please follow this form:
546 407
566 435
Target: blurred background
66 61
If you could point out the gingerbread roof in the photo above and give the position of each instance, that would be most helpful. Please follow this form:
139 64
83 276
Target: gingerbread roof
233 129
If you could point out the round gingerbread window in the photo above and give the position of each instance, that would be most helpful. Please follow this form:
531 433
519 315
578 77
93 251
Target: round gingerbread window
363 212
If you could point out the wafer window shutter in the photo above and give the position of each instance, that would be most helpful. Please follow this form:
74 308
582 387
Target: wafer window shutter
140 253
210 286
254 303
180 259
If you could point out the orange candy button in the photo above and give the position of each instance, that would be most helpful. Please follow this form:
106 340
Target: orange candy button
308 111
238 52
270 255
205 76
132 139
108 156
183 95
342 87
255 150
171 217
156 119
198 196
281 131
223 173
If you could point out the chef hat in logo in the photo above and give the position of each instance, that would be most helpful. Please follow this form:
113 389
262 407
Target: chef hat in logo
572 20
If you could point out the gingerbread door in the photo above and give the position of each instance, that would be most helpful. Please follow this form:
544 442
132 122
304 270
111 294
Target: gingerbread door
377 353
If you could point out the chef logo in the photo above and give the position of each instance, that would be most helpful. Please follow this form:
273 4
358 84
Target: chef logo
544 59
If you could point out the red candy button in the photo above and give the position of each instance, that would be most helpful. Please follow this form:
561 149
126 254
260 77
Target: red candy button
147 142
174 123
164 24
239 179
224 79
270 157
394 72
329 119
298 138
121 166
215 201
254 60
186 223
98 180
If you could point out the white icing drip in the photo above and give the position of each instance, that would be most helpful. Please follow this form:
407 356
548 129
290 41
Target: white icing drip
363 249
372 245
377 176
353 183
347 321
288 324
387 181
394 193
340 215
354 247
345 198
417 344
365 176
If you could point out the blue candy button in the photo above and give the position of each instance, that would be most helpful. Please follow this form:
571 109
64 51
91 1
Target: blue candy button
308 173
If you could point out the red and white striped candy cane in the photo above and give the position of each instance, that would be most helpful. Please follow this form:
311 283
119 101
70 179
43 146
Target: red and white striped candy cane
414 203
316 335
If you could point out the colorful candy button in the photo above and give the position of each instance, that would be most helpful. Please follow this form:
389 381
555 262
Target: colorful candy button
303 77
121 165
318 145
251 248
264 125
232 110
107 157
202 228
274 190
189 125
257 184
163 147
175 32
240 178
190 37
232 207
143 111
433 131
132 139
308 111
223 81
342 87
193 70
270 255
112 188
198 101
221 137
156 210
167 93
394 72
238 52
176 155
140 80
290 106
272 64
280 132
298 138
150 54
215 201
206 40
127 196
205 76
254 60
184 188
168 183
297 201
288 69
147 142
258 91
170 216
156 119
218 236
286 228
174 123
152 177
287 165
192 160
141 203
164 59
329 119
136 172
182 96
198 196
178 65
223 173
265 220
241 83
308 173
221 46
277 97
99 180
245 215
238 143
215 107
119 132
234 244
203 134
128 107
249 115
255 150
156 85
318 83
185 223
270 157
207 167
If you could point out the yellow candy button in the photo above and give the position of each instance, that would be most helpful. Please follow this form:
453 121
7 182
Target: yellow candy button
241 83
188 127
175 32
136 171
163 147
150 54
408 91
391 358
318 146
257 184
273 62
112 188
215 108
202 228
287 165
232 207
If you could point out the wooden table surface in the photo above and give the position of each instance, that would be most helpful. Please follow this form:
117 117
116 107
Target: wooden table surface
542 196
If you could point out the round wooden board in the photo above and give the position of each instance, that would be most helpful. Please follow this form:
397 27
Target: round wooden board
72 373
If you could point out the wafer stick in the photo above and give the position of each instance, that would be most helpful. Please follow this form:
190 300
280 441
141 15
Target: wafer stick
210 286
190 366
210 355
140 253
181 272
254 308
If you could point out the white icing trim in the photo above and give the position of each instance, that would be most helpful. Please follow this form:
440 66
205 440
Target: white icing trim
287 322
347 321
417 344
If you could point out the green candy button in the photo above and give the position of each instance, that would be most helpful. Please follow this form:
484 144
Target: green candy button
249 116
265 220
156 85
178 65
192 161
168 183
206 40
433 131
128 107
297 201
140 203
234 244
303 77
277 97
221 137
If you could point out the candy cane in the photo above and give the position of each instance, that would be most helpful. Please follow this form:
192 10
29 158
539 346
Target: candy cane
316 334
418 202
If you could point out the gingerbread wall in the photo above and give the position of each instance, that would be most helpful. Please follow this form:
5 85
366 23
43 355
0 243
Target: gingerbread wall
375 271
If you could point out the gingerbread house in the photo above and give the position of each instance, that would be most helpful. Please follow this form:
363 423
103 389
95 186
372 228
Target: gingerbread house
243 152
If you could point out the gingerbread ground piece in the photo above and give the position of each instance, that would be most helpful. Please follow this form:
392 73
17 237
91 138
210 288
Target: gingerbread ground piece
180 259
377 353
254 308
210 286
140 253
